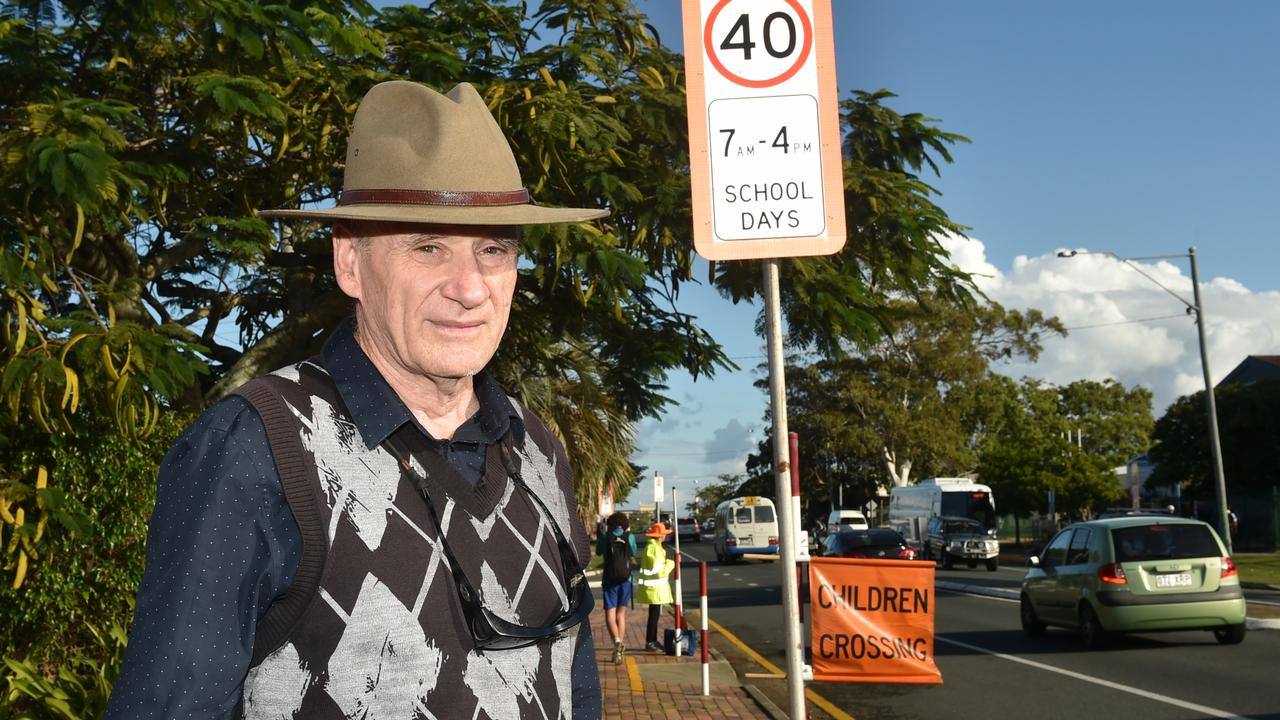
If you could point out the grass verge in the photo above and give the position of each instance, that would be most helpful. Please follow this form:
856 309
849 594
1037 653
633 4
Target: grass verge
1258 567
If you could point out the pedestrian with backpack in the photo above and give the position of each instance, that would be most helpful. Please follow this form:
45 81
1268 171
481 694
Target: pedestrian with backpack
654 588
616 547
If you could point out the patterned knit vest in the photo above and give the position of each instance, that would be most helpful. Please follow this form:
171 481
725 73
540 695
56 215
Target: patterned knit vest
371 627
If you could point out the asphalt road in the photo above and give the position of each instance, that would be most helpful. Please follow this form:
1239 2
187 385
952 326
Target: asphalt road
991 671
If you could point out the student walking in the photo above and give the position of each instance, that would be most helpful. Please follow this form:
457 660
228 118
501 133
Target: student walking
653 587
616 547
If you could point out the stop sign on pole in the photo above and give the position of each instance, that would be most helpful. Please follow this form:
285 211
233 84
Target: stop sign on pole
764 128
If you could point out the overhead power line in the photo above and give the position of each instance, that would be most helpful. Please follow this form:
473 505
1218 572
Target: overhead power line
1127 322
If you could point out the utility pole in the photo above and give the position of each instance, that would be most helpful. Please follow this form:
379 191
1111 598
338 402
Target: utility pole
1211 405
1220 481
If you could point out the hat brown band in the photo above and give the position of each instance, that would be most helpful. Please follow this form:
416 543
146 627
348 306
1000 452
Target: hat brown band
453 198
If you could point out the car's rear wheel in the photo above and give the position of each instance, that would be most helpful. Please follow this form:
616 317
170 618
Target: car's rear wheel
1031 625
1092 634
1230 635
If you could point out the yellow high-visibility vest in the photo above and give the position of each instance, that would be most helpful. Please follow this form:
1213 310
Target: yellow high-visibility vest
652 586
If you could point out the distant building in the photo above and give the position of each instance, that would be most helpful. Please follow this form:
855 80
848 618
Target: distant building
1254 369
1259 513
1135 475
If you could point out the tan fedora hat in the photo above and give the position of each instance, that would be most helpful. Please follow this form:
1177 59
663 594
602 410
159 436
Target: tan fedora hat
417 156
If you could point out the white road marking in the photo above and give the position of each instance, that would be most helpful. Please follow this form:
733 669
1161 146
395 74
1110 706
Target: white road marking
970 593
1202 709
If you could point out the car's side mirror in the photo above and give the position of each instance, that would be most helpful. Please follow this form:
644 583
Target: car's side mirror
1033 561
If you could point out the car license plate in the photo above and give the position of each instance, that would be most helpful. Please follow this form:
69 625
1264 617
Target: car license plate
1173 580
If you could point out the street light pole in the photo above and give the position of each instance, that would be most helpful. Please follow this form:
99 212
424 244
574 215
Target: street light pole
1211 405
1224 527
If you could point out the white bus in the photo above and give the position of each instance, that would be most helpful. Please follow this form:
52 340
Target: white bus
745 525
910 507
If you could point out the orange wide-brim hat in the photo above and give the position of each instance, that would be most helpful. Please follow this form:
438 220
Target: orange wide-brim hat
658 531
418 156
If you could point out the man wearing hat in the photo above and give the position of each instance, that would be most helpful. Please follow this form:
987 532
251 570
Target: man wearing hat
379 531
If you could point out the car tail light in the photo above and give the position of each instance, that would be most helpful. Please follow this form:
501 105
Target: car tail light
730 542
773 540
1228 567
907 554
1112 573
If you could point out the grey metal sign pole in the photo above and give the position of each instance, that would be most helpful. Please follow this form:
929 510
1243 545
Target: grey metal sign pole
782 484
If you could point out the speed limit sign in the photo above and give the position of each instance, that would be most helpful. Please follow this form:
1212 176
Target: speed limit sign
764 130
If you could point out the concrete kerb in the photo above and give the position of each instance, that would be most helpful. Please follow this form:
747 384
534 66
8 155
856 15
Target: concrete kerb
1250 623
773 711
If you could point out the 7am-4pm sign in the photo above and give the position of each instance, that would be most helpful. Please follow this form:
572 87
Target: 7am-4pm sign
764 129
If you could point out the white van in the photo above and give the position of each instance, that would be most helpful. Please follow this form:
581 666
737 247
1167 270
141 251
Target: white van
912 506
745 525
846 520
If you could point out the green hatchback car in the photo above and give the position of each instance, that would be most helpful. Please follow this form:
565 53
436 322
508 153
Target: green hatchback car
1134 574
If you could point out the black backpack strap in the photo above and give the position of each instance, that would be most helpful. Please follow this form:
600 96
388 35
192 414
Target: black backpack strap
296 478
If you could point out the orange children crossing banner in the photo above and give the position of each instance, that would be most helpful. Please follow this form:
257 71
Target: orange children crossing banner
872 621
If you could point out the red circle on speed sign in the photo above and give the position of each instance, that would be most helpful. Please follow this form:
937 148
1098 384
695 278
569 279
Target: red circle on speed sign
806 28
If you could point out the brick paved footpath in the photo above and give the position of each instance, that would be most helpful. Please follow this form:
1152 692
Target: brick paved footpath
651 685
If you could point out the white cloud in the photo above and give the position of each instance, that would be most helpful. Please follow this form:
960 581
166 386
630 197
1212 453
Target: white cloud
727 449
1099 297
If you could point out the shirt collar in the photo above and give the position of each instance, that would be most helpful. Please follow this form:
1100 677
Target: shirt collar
377 411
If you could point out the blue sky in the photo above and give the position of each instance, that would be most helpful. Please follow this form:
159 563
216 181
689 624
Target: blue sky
1142 128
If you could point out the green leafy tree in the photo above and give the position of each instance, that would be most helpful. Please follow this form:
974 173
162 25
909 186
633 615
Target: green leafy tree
1113 424
137 139
1066 439
913 404
1248 428
87 578
1027 430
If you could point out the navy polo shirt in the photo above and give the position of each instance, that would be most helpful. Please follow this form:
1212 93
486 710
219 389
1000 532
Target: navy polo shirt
223 545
